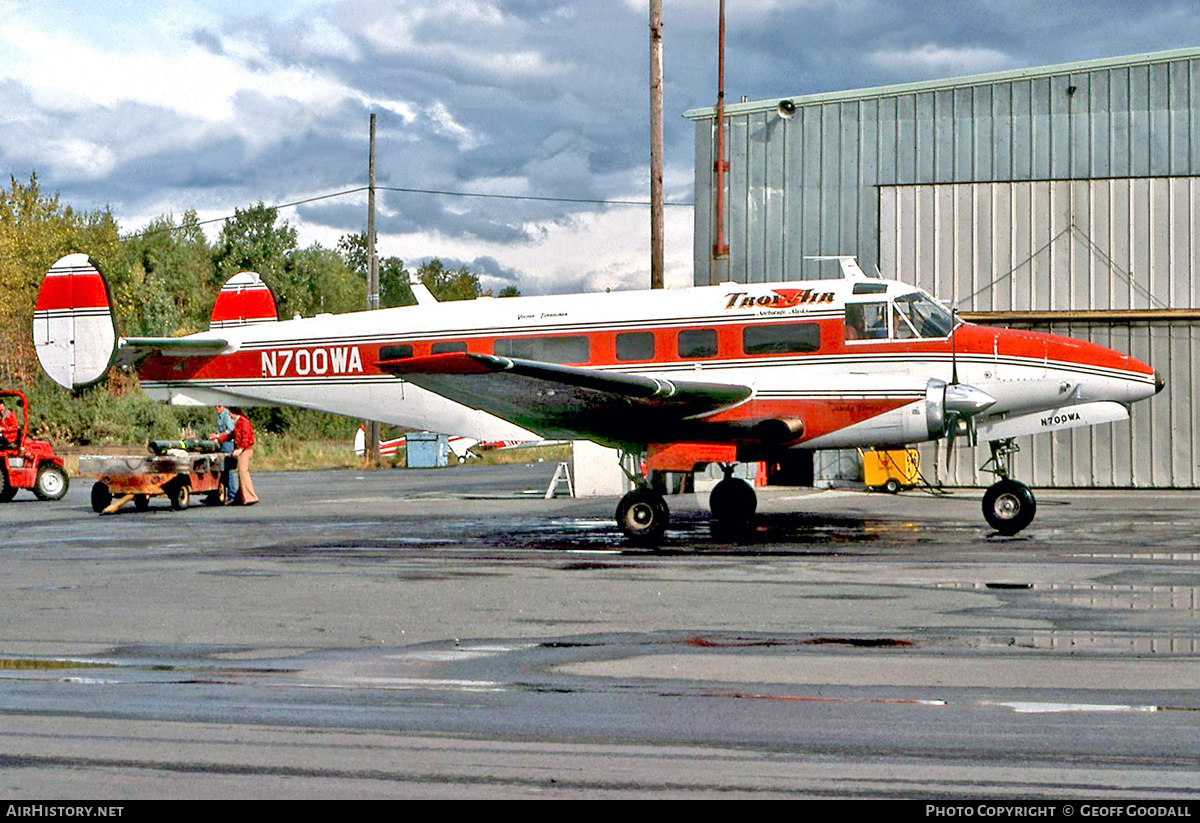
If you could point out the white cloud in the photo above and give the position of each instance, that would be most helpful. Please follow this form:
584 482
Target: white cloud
68 74
445 124
81 157
592 251
933 60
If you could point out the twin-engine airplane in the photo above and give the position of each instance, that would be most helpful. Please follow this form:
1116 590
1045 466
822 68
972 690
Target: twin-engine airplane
715 374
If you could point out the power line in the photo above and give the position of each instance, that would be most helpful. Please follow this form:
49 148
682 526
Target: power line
535 198
440 192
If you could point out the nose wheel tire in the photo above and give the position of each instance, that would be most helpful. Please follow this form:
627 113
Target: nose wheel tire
642 516
1008 506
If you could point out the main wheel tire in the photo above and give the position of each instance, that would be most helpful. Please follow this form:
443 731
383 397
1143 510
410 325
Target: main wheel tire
141 502
642 516
892 486
733 503
101 497
1009 506
181 495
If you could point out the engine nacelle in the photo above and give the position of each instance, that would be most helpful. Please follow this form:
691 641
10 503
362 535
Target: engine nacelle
948 403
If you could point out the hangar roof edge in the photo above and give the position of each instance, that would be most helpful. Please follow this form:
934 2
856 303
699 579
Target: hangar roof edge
734 109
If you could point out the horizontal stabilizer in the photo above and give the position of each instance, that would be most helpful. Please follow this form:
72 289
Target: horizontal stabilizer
244 299
73 330
133 349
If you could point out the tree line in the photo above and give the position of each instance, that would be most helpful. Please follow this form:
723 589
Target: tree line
165 277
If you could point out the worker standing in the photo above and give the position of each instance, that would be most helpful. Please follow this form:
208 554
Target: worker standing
225 427
243 450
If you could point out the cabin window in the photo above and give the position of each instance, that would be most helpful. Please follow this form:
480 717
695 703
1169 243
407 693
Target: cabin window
635 345
782 338
698 343
448 347
870 288
923 315
572 349
396 352
866 321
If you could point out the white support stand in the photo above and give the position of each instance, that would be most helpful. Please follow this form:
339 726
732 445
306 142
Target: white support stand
561 475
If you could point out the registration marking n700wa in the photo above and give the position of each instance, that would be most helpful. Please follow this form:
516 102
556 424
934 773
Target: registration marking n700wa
303 362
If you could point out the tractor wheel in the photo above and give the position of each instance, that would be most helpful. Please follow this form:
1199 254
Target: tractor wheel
7 490
51 484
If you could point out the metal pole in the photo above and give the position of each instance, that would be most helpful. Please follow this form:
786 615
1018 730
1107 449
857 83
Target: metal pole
372 426
372 261
656 146
720 254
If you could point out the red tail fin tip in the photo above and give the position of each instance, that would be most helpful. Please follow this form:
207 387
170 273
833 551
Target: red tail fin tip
244 299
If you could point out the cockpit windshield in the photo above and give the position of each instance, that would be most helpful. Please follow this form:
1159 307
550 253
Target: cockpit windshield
926 316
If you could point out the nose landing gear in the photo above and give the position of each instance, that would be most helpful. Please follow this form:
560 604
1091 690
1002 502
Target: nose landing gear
1008 505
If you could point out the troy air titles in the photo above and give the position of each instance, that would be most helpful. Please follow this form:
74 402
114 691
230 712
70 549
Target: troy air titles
778 299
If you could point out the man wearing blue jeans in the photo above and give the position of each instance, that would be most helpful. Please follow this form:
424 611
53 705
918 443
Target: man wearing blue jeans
224 426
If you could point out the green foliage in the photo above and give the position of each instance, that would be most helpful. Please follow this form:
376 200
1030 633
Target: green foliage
170 288
107 415
164 280
325 282
393 277
303 424
446 284
250 241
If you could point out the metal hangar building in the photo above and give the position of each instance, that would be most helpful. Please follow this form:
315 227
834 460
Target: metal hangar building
1064 198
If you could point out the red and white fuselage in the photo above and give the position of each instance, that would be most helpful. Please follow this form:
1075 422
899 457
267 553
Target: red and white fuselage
859 361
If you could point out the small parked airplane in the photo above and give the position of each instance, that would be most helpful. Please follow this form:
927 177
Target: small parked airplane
715 374
463 448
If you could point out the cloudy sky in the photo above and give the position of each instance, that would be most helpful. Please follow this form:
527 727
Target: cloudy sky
159 107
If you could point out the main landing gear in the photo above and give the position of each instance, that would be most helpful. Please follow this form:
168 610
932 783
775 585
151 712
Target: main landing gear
732 502
643 516
1008 505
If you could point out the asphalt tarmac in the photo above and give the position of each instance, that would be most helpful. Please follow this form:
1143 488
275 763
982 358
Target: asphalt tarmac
449 633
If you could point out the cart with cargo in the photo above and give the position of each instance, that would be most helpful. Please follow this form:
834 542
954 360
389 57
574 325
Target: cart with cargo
174 469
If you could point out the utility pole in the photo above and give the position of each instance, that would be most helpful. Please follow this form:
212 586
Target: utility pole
656 146
372 426
719 270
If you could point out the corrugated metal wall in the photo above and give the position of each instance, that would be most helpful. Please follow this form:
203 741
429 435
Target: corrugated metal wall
1131 243
1068 187
809 185
1062 246
1156 448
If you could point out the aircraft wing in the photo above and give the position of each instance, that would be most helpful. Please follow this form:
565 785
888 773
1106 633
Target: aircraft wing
568 401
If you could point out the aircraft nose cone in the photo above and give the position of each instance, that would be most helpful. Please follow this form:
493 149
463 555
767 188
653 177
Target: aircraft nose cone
967 401
1159 382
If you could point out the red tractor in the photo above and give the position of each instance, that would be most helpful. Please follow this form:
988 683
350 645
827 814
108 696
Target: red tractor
25 463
